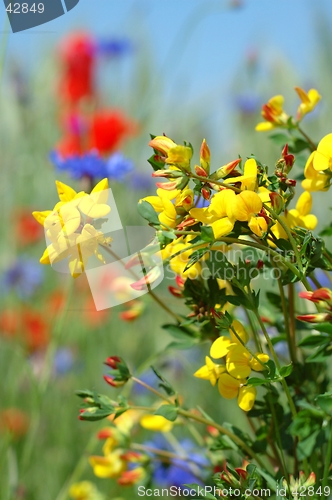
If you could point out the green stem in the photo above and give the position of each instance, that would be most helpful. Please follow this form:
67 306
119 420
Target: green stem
78 470
247 349
278 439
328 459
150 292
275 358
203 420
292 327
307 138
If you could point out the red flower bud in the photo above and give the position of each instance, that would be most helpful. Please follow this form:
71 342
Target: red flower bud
200 171
315 318
114 383
112 362
260 264
175 291
323 294
277 202
206 193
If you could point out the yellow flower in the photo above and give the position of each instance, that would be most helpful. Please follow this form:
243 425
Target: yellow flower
69 226
85 490
162 143
162 203
256 365
247 396
210 371
185 199
156 423
309 100
300 215
109 466
240 331
237 362
179 156
249 178
314 180
273 113
322 159
179 262
245 207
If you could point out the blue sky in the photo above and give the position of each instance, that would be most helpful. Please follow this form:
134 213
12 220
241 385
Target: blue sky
204 39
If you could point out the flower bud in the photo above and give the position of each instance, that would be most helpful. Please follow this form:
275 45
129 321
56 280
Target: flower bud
175 291
205 156
315 318
162 143
200 171
114 383
226 169
323 294
112 362
206 193
168 173
277 202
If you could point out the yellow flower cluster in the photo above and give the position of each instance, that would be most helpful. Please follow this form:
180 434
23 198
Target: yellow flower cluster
116 459
318 169
275 116
232 376
69 226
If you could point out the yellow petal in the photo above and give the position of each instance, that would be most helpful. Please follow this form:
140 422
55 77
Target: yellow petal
237 362
91 208
170 195
258 225
66 193
228 386
304 203
222 227
245 205
75 264
247 396
221 347
240 330
156 423
41 216
221 201
155 202
309 221
321 161
264 126
255 365
100 192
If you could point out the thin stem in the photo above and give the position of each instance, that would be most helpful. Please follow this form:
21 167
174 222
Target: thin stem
203 420
247 348
254 331
307 138
288 232
78 470
292 326
328 459
150 292
278 438
275 358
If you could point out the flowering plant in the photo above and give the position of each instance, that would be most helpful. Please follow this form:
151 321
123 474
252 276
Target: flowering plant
237 244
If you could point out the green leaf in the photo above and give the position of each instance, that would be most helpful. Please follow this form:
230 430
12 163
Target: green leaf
279 139
155 164
92 414
165 384
181 346
285 371
298 145
84 393
207 233
324 401
314 341
274 299
255 381
147 212
170 412
178 332
324 327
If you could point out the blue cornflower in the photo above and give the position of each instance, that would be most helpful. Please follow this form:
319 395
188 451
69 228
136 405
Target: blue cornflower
93 166
178 472
113 47
141 181
118 167
24 276
63 361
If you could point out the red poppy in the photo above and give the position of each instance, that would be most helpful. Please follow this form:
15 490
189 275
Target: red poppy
77 58
14 421
27 229
105 133
35 330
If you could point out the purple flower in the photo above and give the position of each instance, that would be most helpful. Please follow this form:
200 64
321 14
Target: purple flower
179 471
24 276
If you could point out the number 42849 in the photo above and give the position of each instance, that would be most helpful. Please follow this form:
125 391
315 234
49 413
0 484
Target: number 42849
23 8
